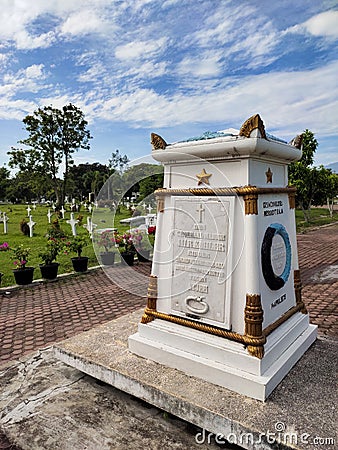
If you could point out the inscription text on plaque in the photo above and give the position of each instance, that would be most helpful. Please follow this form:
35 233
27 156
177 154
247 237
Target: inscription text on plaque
201 260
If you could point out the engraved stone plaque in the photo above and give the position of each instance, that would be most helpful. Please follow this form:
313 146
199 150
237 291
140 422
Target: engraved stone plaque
278 255
201 260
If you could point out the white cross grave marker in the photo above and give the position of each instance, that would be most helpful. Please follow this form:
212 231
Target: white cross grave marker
73 222
62 211
31 224
28 209
49 215
149 209
5 220
90 226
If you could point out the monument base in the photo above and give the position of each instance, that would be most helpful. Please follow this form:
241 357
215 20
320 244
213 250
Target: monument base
223 362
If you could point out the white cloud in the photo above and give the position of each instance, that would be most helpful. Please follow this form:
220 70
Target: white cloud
324 24
35 71
206 65
288 101
140 50
83 22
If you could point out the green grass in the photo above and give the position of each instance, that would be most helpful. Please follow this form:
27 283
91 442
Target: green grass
318 217
103 218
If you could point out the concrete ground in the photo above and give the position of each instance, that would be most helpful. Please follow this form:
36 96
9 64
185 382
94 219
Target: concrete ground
39 315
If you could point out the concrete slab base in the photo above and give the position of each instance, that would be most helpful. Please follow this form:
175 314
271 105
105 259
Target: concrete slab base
300 411
223 362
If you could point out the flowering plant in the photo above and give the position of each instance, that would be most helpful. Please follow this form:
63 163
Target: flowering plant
152 230
76 245
51 251
126 243
108 239
21 256
4 247
141 240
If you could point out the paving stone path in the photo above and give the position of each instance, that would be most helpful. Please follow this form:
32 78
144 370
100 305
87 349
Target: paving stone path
36 316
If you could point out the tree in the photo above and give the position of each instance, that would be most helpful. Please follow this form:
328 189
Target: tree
85 178
4 182
54 135
315 185
302 176
118 161
143 178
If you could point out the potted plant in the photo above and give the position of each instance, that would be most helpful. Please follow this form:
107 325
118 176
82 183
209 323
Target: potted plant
22 273
142 245
76 244
127 248
107 240
49 268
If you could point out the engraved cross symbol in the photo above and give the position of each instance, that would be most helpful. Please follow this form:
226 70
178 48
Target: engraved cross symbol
200 210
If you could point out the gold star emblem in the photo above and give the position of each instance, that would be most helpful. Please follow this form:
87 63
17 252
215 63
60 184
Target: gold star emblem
203 177
269 175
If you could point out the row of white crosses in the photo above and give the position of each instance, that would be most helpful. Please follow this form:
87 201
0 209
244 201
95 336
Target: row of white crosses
149 208
90 226
29 209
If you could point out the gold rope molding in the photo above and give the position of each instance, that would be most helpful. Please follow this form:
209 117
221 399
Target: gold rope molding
245 190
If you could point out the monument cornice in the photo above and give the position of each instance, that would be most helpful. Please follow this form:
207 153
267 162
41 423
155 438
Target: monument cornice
241 191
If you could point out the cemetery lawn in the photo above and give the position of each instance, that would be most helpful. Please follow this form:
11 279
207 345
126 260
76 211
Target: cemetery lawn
318 217
37 243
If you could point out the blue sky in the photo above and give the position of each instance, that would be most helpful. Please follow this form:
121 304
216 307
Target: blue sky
174 67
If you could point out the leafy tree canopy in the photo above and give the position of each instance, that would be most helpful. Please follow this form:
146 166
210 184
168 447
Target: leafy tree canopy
54 135
314 185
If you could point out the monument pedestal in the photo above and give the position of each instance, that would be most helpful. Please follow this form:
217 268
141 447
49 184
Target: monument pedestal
223 362
224 297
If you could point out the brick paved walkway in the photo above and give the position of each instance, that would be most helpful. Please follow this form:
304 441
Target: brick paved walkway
35 317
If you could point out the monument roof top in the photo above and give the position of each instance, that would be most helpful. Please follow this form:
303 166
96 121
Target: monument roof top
251 139
229 132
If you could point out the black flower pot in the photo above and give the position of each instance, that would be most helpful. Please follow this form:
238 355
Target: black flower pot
49 271
24 276
80 264
107 258
143 255
127 258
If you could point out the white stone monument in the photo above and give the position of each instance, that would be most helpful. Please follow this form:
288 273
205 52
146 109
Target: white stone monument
224 297
28 209
49 215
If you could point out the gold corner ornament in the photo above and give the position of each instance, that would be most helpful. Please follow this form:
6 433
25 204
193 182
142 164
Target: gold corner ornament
253 317
254 122
250 204
151 300
268 174
203 177
292 198
157 142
